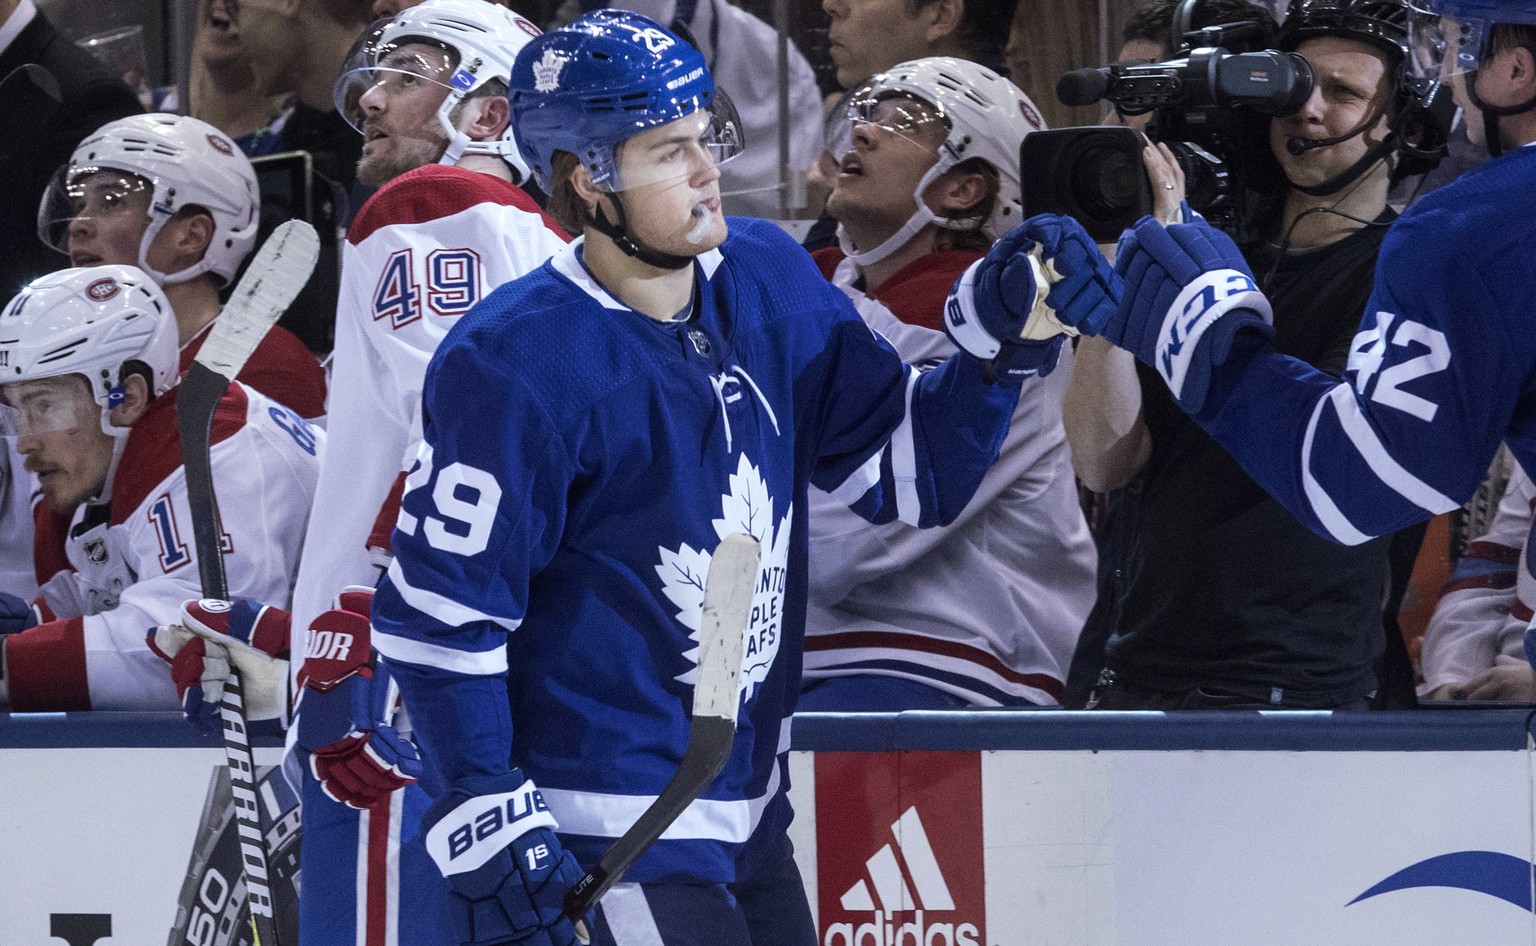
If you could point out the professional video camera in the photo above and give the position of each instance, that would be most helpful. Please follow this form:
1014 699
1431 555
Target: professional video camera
1211 106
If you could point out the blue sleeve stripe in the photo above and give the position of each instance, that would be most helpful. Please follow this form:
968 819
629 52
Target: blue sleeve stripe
859 481
909 507
1392 474
483 663
442 609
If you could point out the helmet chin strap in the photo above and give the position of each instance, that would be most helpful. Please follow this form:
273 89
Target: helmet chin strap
1492 113
168 279
920 218
618 232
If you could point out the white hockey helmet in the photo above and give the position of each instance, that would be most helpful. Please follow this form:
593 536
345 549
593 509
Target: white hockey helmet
185 162
90 321
984 116
484 39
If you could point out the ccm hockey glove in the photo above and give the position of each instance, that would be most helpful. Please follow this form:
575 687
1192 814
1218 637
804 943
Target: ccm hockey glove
1188 293
346 699
214 636
493 838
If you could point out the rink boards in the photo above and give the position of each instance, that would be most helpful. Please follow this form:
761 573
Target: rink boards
956 829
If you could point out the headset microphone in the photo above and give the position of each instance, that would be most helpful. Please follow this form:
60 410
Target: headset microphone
1300 146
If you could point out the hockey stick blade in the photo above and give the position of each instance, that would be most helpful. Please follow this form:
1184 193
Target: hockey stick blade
271 281
716 699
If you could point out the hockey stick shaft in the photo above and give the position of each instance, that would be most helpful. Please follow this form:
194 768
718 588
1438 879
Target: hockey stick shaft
712 731
269 285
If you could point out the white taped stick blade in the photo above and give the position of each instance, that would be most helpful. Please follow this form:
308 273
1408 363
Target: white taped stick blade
727 607
271 282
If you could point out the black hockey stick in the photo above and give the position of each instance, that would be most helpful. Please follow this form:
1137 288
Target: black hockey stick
716 697
274 277
31 96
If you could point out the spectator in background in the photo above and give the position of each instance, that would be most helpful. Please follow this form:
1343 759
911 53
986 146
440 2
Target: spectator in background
1474 645
262 73
91 392
743 54
31 147
984 611
1228 600
870 36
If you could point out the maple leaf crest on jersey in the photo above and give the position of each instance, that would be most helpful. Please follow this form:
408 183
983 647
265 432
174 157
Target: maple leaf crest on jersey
747 508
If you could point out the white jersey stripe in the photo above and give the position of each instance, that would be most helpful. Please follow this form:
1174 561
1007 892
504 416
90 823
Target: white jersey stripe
629 917
1323 506
1387 469
859 481
904 461
602 815
446 610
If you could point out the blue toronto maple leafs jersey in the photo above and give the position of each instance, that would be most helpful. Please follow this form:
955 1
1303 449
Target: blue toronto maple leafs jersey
581 463
1442 368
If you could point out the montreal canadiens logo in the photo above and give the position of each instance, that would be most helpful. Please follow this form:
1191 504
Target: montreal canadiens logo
102 289
527 27
221 145
1030 114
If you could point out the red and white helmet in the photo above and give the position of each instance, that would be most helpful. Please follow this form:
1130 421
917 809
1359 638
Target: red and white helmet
184 162
984 115
90 321
484 38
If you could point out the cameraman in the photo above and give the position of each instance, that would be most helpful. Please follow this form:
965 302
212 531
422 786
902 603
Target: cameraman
1228 601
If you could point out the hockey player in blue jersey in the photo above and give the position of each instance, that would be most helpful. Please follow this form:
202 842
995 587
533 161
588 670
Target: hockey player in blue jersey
1443 364
592 430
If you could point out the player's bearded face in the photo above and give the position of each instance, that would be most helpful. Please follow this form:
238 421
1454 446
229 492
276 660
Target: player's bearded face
401 131
56 426
672 187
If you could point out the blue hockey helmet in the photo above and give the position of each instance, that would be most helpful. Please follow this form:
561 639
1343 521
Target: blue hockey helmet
604 78
1456 35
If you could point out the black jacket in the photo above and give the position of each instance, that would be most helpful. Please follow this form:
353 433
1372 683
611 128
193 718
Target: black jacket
34 150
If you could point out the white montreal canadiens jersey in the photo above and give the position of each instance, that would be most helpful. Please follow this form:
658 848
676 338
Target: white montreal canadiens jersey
423 250
987 608
582 462
135 562
1442 368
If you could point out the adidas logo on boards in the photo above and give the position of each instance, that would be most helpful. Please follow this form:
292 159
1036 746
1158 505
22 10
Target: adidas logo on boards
903 877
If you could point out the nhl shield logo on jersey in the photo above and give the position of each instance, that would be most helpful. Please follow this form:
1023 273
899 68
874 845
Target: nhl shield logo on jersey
747 508
546 72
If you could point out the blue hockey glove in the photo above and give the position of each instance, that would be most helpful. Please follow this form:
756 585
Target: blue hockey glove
996 311
215 635
494 839
16 614
1188 294
346 699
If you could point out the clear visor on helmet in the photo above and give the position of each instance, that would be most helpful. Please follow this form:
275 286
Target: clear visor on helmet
407 66
678 150
97 194
1446 46
890 112
46 406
